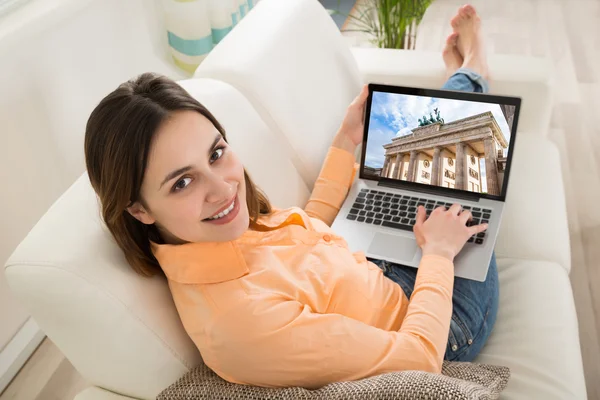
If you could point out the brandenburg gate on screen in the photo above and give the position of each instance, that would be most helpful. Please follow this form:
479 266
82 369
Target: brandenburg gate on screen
448 154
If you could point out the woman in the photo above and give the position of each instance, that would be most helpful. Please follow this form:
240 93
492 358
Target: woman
274 297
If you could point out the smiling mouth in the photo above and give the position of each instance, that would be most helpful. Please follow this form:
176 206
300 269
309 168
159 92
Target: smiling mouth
226 215
223 213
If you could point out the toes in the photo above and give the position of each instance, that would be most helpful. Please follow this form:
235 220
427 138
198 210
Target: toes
467 10
465 14
452 39
450 54
455 21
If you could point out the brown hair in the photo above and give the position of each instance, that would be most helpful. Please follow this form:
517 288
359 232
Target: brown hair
118 138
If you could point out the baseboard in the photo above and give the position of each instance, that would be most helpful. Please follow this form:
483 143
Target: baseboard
18 350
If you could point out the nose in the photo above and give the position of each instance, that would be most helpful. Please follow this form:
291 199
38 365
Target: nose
219 190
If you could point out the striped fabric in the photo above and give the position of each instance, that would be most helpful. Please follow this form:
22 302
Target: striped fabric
194 27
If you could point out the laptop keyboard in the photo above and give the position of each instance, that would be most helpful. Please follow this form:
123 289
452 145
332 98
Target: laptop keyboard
400 212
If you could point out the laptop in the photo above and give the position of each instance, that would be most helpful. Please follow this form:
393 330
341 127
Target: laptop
432 148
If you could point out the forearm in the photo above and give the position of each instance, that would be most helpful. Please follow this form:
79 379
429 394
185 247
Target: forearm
336 177
430 308
342 142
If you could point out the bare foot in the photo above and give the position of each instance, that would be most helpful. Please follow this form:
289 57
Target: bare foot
451 55
467 25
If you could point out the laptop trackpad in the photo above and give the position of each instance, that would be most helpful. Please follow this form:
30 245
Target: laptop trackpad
392 247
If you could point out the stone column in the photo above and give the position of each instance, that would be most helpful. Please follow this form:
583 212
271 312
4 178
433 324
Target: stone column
480 175
461 167
436 167
491 166
412 166
398 166
386 165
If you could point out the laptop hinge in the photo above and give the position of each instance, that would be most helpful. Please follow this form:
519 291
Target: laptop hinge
396 184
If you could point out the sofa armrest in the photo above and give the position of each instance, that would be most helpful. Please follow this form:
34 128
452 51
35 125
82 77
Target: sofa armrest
534 222
96 393
525 77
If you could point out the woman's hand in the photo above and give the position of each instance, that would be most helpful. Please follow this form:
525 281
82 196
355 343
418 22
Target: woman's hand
444 233
351 131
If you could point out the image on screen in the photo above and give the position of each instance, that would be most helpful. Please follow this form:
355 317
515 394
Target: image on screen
456 144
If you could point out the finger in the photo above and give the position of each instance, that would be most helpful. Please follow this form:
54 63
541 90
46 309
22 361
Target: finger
439 209
465 216
473 230
362 96
455 209
364 93
420 216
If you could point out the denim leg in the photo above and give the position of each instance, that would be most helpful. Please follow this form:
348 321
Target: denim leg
466 80
474 308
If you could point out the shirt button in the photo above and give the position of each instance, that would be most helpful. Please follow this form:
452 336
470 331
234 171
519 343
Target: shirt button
470 341
454 347
327 238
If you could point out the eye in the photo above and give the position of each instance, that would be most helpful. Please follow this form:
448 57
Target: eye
181 184
216 154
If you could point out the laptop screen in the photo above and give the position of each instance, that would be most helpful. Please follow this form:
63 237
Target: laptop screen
452 140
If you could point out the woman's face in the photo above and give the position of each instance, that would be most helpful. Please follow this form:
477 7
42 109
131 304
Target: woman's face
194 188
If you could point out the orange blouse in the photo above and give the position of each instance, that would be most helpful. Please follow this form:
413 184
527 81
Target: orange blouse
288 304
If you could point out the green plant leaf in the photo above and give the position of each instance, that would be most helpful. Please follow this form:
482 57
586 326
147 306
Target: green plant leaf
389 23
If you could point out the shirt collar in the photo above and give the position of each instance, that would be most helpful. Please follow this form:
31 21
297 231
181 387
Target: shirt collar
281 218
201 263
215 262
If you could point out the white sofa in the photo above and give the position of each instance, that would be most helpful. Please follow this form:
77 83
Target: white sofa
280 83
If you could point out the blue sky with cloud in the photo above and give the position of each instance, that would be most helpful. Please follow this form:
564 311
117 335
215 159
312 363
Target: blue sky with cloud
395 114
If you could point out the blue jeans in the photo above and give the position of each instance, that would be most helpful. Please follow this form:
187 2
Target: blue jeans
474 304
474 307
465 80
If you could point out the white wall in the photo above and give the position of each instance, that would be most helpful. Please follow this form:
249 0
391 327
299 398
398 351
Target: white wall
58 58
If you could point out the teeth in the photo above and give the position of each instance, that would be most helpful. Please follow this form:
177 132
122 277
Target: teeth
224 212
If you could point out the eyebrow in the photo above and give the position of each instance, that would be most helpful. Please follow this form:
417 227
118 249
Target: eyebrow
182 170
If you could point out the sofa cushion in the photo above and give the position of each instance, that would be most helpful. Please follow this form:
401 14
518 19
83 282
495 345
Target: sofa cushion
460 381
534 224
300 79
117 328
96 393
536 333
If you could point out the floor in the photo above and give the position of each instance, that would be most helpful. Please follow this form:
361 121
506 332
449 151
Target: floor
562 30
48 375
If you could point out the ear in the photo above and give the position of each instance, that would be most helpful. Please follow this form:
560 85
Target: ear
139 212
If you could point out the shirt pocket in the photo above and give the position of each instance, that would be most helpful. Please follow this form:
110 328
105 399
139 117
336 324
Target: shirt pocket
460 336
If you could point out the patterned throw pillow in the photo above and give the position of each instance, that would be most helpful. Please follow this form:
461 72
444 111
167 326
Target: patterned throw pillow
458 381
